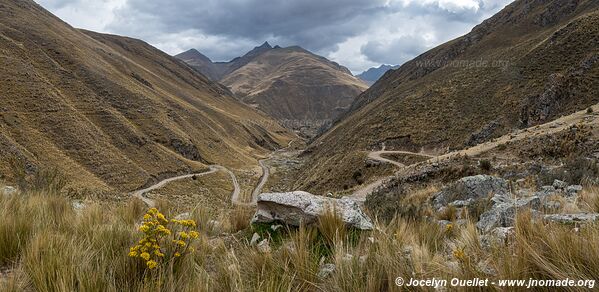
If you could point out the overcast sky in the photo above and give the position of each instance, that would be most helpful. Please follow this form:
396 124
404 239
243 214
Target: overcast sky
355 33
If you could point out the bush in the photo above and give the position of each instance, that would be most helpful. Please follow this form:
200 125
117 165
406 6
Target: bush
163 241
485 165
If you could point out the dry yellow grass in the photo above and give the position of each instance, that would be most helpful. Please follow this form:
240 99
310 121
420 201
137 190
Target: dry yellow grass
58 249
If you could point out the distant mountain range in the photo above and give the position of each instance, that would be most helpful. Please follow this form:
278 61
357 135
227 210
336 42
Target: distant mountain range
300 89
371 75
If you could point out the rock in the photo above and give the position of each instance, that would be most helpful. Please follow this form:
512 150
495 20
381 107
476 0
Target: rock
183 216
264 246
546 191
572 191
78 206
295 208
461 203
471 188
572 218
560 185
497 237
552 205
254 239
503 212
8 191
275 227
326 270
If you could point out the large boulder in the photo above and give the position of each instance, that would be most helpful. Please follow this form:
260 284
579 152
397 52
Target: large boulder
295 208
469 189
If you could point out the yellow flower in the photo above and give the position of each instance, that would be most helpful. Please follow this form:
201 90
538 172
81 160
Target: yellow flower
191 249
177 254
194 234
147 217
153 211
132 254
144 228
459 254
161 217
145 256
449 227
158 253
180 242
183 235
152 264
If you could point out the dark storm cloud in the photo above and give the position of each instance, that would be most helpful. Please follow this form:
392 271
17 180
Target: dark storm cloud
316 24
356 33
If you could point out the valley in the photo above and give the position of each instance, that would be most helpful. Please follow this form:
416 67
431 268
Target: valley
127 168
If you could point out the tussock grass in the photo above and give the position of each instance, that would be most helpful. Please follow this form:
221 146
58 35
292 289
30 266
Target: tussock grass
49 247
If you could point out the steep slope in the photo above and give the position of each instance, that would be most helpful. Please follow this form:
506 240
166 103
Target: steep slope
113 112
298 88
531 63
371 75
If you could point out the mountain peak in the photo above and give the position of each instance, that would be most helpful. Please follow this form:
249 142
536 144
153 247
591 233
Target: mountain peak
193 54
265 45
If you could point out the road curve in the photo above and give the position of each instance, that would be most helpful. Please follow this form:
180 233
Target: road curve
263 180
360 194
213 168
140 193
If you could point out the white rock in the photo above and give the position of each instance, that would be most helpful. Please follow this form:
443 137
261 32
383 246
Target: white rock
78 206
573 218
255 239
573 190
276 227
264 246
558 184
183 216
295 208
9 191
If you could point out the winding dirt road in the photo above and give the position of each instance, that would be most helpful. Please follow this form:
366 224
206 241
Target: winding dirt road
212 169
361 194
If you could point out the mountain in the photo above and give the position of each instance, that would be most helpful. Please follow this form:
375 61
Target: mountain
371 75
532 62
112 112
302 90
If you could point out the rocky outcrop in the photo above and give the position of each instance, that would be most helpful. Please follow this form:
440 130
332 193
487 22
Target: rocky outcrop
296 208
469 189
483 135
504 210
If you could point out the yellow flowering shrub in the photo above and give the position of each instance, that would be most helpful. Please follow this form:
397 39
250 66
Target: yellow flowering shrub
163 240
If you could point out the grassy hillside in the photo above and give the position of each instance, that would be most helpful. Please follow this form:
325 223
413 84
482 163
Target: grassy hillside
292 83
110 111
531 63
